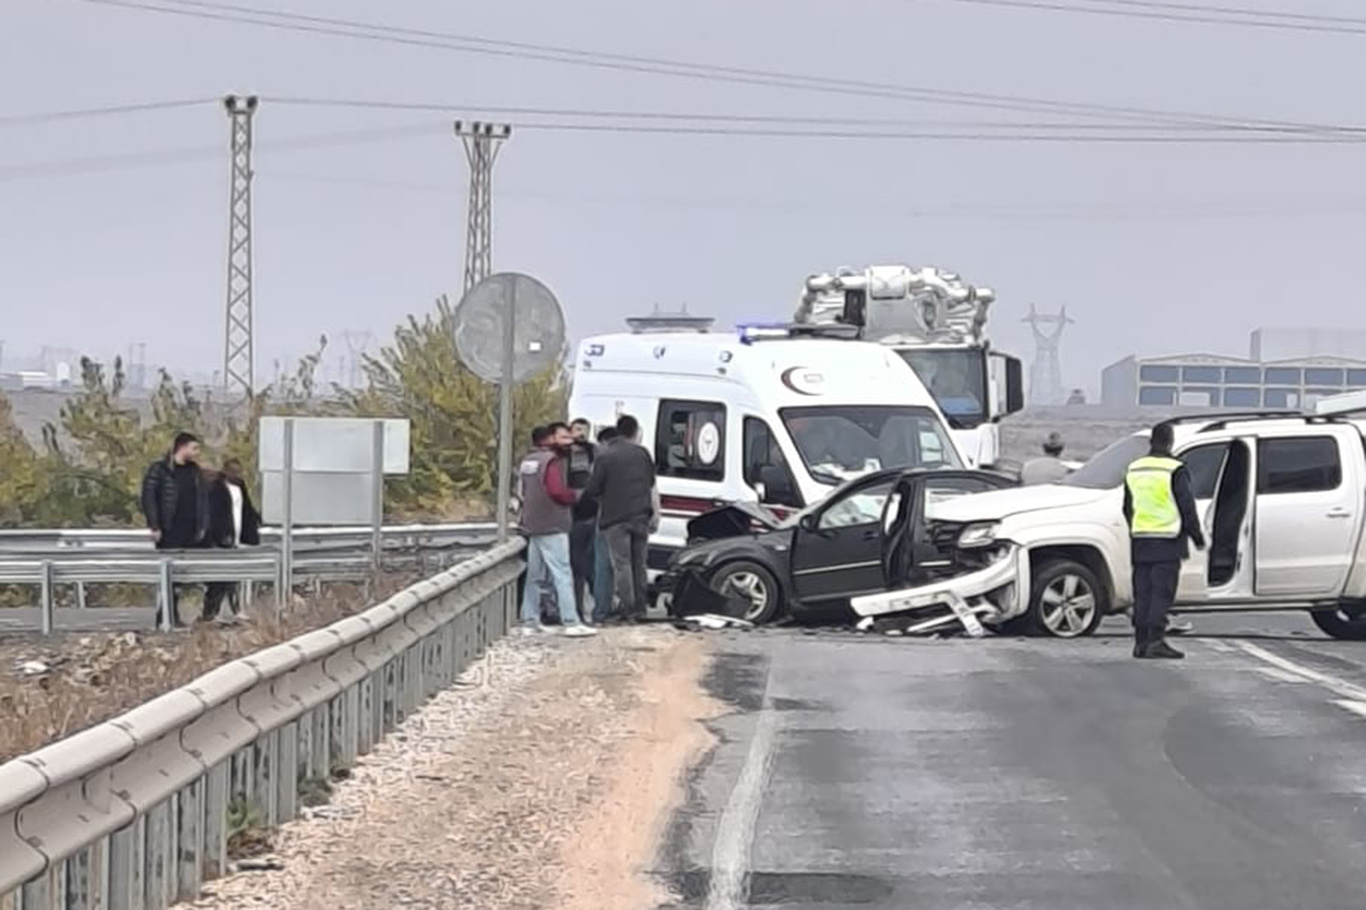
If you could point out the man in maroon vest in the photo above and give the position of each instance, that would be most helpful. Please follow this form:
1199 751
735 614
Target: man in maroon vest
546 519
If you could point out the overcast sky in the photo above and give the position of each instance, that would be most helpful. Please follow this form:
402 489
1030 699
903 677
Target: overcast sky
1155 248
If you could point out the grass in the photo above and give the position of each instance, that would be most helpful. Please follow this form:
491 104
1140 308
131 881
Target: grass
97 676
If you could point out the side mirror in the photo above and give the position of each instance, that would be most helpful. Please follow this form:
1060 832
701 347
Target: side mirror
761 489
807 522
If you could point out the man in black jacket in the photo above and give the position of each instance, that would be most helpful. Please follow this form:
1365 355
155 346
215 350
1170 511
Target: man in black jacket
1159 508
233 522
175 502
623 486
579 472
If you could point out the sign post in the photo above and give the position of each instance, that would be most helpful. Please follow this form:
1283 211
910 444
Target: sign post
284 590
377 494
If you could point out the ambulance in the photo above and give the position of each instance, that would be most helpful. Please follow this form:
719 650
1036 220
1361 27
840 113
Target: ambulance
778 415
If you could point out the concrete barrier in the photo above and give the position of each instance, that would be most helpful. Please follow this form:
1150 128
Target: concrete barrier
136 813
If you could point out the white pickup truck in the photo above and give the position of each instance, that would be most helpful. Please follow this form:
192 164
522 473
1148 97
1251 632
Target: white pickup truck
1282 498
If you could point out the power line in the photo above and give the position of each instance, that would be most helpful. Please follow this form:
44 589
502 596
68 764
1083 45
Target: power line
1186 12
324 25
630 116
112 110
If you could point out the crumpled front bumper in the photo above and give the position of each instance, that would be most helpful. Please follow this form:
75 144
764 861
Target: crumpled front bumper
1006 580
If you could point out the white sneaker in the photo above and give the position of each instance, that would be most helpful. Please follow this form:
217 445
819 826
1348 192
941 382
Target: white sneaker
580 631
530 629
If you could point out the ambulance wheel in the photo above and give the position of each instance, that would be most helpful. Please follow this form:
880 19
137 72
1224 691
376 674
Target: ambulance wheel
1346 623
1066 600
755 584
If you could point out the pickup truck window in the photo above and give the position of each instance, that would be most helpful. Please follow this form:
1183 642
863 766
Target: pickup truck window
1305 464
1204 464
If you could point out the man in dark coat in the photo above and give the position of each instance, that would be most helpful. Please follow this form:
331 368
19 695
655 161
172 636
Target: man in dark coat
175 502
579 462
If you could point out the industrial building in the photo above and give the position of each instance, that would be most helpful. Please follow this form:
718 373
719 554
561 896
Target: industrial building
1288 368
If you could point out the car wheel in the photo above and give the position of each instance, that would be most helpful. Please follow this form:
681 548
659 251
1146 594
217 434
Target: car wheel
755 584
1347 623
1066 600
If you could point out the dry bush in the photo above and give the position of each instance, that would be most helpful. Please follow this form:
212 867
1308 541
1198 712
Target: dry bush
93 677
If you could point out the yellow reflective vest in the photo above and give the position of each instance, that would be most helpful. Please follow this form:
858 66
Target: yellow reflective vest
1152 500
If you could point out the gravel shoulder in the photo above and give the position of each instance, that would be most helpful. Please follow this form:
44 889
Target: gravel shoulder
545 780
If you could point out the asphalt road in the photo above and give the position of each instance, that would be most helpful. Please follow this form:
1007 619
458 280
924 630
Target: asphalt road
862 772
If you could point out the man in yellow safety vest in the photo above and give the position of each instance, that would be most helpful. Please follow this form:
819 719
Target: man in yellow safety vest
1160 510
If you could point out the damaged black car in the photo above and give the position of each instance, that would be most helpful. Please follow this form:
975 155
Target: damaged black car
868 536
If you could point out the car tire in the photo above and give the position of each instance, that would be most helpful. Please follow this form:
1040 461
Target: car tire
1345 623
750 580
1066 600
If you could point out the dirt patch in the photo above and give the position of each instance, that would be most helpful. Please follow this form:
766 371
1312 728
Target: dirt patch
545 784
620 838
54 686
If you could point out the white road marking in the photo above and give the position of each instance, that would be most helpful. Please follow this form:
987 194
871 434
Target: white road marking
735 833
1277 675
1356 707
1337 686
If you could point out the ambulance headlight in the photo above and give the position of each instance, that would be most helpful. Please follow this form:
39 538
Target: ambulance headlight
975 536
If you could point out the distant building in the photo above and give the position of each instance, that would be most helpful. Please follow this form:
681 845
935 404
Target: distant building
1216 381
1270 344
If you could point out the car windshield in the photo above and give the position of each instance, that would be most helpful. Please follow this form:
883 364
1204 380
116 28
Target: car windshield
956 379
1107 468
841 442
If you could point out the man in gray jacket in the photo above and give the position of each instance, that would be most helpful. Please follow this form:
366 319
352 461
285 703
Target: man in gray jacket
546 519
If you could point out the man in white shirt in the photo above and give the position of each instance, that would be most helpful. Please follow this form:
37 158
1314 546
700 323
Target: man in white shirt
234 522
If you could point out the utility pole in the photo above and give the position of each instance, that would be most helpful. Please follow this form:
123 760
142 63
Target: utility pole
482 142
239 361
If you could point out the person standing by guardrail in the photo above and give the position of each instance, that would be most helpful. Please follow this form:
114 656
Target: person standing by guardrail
546 520
175 503
233 522
602 556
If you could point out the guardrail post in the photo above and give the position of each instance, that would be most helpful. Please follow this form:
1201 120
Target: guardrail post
45 601
167 595
214 861
159 861
287 765
80 595
127 865
267 773
189 855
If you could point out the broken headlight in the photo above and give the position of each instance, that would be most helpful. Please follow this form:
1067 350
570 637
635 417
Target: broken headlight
975 536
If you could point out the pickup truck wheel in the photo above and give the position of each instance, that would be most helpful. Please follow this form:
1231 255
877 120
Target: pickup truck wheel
1066 600
755 584
1347 623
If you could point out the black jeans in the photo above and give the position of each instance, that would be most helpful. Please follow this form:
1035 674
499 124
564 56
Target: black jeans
1154 593
581 539
216 593
628 543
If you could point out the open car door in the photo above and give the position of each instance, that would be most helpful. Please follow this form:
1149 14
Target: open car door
909 555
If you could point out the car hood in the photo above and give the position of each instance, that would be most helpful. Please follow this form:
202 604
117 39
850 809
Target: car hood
998 504
737 520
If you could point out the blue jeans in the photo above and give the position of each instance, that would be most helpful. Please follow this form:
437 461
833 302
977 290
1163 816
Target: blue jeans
547 556
602 579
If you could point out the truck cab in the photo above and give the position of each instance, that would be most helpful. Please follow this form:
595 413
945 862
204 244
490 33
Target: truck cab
935 322
1281 499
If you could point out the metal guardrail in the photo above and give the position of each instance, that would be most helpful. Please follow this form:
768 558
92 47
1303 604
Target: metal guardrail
135 813
50 559
402 536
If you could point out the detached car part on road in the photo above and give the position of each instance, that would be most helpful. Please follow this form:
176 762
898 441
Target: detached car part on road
865 537
1281 495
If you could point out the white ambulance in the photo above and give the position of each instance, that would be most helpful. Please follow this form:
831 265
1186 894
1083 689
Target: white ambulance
779 415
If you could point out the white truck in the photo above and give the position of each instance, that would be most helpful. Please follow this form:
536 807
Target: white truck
1282 498
936 322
